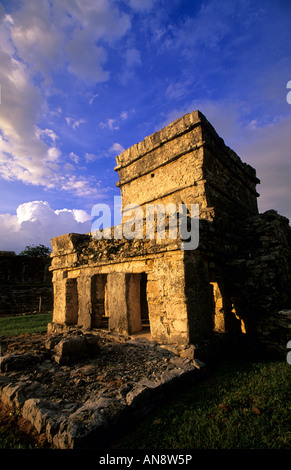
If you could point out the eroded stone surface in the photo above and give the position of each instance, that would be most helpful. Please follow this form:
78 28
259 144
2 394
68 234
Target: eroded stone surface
76 404
234 282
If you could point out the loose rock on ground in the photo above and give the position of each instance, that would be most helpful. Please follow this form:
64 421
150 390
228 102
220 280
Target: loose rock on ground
79 388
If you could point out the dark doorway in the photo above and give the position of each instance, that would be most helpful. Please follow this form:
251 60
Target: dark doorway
99 301
144 309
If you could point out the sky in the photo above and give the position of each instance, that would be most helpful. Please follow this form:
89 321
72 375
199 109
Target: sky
82 80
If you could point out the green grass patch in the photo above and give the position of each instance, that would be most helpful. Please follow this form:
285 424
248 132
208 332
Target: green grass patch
242 406
13 326
16 433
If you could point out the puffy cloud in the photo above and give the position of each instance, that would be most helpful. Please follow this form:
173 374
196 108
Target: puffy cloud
36 222
74 157
124 115
109 124
26 151
82 54
53 34
74 123
114 124
91 157
99 17
37 39
116 148
80 186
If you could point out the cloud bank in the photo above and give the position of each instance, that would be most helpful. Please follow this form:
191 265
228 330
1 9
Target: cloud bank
36 223
38 40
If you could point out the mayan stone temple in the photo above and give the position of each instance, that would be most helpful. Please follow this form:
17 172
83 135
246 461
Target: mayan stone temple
236 282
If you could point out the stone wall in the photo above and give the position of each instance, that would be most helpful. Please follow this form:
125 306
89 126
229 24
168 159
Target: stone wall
234 283
76 267
187 162
25 284
260 278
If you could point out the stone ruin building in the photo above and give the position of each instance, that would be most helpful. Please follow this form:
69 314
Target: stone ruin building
236 282
25 284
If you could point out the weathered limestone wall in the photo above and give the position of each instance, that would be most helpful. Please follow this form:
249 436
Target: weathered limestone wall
260 278
119 283
187 162
230 184
199 296
238 279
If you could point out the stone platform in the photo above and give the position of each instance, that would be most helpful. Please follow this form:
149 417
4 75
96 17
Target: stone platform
82 388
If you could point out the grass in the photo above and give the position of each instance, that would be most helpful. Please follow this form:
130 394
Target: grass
17 433
13 430
245 406
13 326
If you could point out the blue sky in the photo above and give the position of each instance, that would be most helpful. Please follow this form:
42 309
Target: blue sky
83 80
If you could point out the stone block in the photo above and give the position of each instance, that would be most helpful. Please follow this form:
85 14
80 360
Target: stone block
92 345
76 348
18 361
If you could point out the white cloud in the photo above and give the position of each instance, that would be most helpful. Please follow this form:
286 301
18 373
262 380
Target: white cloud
93 98
74 123
100 17
36 222
83 53
43 133
38 39
116 148
81 215
109 124
124 115
25 148
79 186
78 214
74 157
47 33
91 157
179 89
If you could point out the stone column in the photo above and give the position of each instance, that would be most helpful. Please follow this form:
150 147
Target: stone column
65 300
59 312
117 305
85 302
71 301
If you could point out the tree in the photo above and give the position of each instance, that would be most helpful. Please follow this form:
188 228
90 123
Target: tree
39 250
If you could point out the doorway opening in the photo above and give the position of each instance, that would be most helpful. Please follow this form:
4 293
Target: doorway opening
144 308
99 301
137 305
